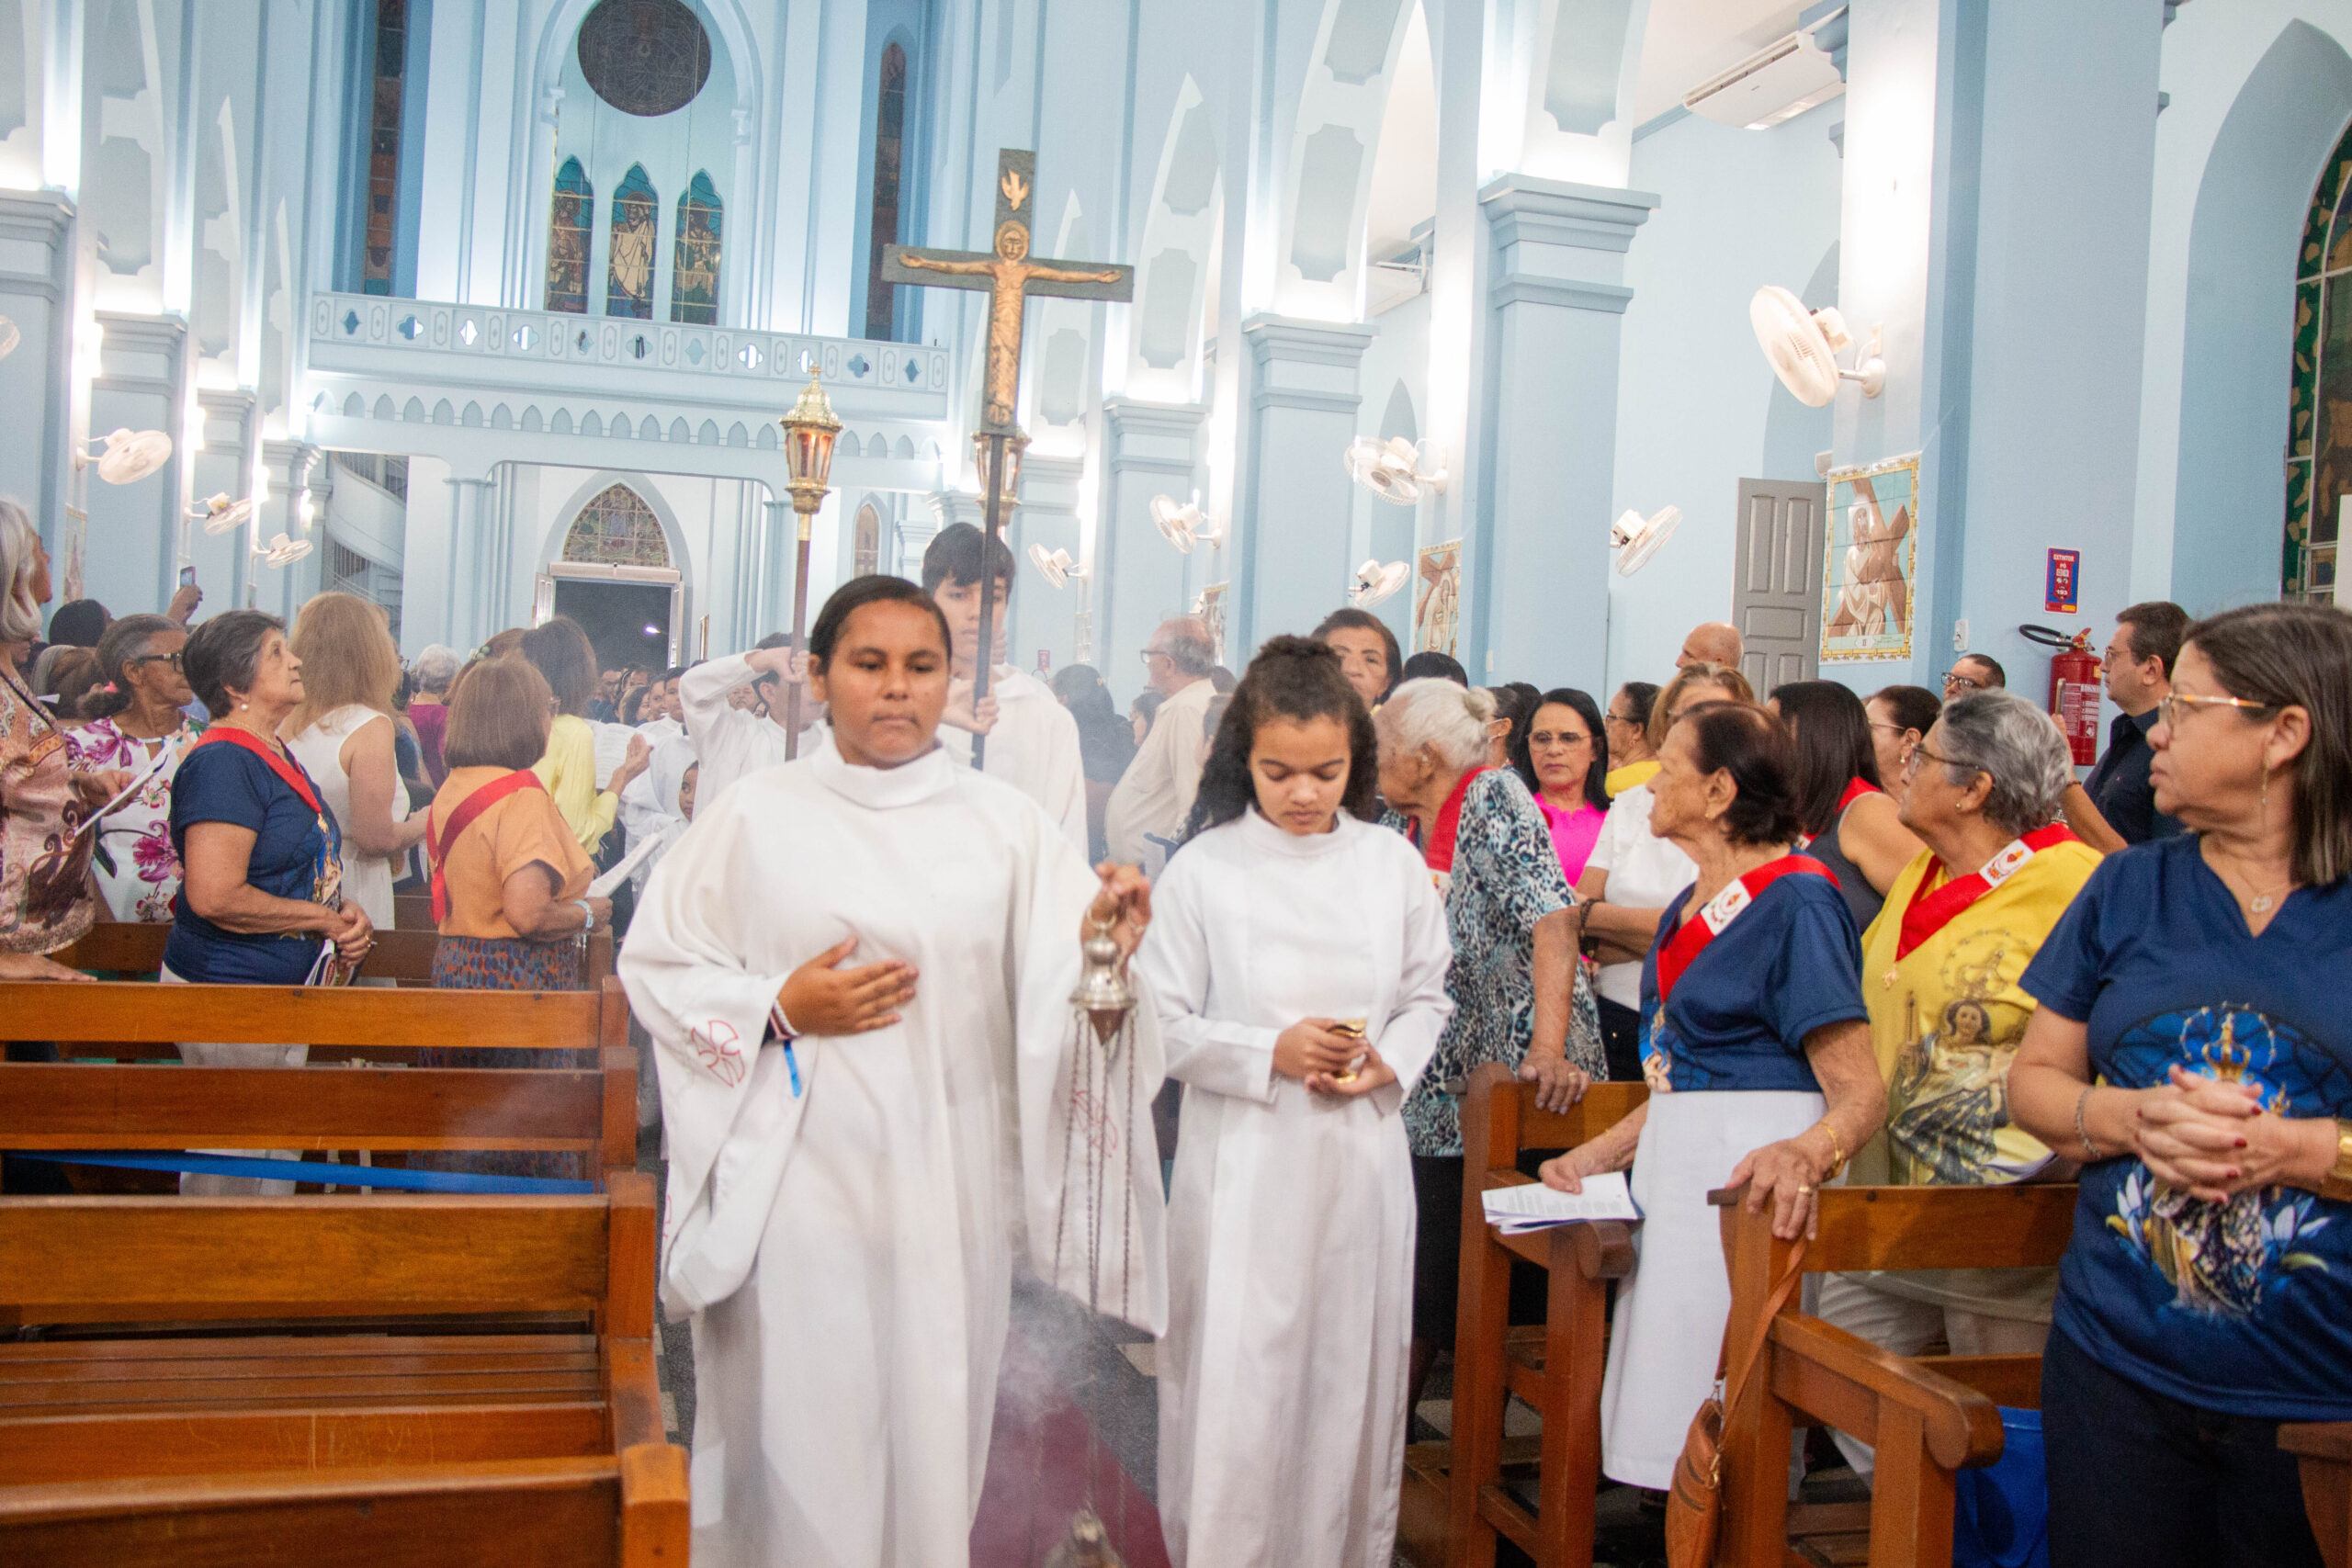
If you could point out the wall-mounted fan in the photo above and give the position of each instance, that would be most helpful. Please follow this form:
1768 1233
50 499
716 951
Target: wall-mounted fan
1374 582
10 337
1802 347
220 515
1393 469
1054 565
283 551
128 456
1636 538
1183 524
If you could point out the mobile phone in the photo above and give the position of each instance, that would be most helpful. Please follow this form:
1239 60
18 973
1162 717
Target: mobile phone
187 577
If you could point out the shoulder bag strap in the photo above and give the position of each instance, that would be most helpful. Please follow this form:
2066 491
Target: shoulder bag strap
461 817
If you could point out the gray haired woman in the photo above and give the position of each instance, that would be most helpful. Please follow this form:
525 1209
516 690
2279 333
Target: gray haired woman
1961 923
1518 994
428 710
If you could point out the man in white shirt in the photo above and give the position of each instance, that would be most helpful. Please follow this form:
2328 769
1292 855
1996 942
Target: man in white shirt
735 708
1155 795
1031 739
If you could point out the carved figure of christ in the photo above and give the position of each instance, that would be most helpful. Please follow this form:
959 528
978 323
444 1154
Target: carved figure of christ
1010 275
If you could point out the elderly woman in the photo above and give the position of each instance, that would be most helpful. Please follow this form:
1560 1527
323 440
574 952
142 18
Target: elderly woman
1759 1061
1369 655
1851 825
44 862
1961 921
1518 994
2192 1049
136 719
1631 872
428 711
1625 732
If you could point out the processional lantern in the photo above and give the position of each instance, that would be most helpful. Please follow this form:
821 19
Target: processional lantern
810 432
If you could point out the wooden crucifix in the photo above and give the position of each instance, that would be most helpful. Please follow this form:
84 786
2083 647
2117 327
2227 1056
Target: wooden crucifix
1010 274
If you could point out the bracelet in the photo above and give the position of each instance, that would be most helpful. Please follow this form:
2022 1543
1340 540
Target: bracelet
588 909
2083 1131
2337 1183
1837 1148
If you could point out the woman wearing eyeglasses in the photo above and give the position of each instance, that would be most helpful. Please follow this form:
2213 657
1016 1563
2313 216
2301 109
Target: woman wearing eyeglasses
138 704
1940 964
2193 1050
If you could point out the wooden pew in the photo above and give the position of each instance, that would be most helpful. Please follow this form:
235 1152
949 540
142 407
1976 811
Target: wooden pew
330 1105
403 956
1927 1417
1556 1367
2323 1451
324 1446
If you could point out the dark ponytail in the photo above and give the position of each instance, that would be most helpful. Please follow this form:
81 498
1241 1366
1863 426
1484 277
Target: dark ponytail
1292 678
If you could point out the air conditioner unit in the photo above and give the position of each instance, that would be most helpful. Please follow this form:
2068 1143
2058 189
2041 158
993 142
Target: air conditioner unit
1777 82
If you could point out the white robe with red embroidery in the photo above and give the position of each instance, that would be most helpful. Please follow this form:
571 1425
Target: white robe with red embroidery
845 1250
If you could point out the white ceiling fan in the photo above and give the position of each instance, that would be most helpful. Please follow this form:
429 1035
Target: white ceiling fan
1374 582
1183 524
10 337
1636 538
1802 347
220 515
1392 469
128 455
283 551
1056 566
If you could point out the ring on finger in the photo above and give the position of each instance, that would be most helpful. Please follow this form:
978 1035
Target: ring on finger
1804 1189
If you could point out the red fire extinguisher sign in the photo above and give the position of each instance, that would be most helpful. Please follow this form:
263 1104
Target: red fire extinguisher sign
2074 697
2062 583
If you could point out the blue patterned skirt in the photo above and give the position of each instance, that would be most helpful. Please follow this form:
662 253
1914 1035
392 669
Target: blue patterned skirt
505 964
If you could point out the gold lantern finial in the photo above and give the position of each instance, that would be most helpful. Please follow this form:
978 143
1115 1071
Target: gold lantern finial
810 432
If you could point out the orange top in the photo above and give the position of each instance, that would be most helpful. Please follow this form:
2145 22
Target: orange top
524 826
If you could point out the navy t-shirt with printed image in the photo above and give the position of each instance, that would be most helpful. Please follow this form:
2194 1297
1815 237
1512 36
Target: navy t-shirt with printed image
1788 964
2243 1307
293 857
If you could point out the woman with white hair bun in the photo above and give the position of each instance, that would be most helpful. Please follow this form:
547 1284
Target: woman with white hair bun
45 902
1519 996
428 704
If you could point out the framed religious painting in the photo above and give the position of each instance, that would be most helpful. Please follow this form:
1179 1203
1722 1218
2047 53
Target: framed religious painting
1437 599
1870 570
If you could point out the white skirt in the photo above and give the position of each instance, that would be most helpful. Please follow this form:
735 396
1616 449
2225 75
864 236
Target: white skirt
1670 1314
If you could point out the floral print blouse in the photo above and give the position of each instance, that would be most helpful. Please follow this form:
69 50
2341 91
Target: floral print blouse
43 865
1506 876
137 871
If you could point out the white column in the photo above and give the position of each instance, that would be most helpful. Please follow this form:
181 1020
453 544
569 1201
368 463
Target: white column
1138 579
1297 505
1041 618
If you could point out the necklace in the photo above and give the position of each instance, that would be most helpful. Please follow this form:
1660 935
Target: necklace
2256 901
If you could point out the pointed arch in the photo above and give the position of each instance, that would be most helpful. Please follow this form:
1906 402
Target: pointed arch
890 149
628 287
616 528
570 230
866 549
694 269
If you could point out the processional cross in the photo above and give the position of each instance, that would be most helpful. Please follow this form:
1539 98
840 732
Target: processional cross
1011 275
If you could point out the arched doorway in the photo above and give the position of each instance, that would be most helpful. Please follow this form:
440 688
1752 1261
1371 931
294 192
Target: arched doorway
616 579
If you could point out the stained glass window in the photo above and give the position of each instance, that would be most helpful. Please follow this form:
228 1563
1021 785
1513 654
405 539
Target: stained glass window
644 57
866 551
2319 434
629 288
384 146
889 146
617 529
694 277
569 227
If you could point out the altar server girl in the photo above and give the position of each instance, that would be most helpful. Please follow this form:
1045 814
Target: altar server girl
1287 923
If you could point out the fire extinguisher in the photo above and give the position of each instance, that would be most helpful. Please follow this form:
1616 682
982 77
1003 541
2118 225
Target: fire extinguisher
2074 688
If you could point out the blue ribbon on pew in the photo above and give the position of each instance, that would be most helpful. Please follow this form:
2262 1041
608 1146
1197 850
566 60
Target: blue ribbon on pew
319 1171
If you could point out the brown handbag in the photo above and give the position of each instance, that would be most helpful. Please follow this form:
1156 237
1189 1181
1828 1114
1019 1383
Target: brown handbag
1694 1505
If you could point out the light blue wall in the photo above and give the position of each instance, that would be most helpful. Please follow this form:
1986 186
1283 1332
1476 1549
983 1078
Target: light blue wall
1698 410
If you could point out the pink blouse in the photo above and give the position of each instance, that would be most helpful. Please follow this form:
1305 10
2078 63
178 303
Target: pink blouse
1573 833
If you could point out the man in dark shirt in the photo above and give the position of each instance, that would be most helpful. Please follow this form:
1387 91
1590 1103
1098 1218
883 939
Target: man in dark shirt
2138 668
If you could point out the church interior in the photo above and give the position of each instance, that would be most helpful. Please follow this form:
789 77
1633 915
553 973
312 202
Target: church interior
1542 330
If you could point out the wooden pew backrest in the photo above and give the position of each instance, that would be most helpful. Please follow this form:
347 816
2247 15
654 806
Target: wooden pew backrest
316 1016
403 954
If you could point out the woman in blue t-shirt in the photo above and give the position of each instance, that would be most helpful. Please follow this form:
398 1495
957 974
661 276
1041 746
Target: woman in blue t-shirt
262 892
1756 1046
2207 1295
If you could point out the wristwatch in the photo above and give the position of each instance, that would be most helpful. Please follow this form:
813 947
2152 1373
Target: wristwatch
2337 1183
590 910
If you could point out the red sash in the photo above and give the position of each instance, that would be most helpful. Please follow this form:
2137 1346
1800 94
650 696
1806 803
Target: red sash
1439 851
1925 915
1855 790
1699 928
461 818
288 771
